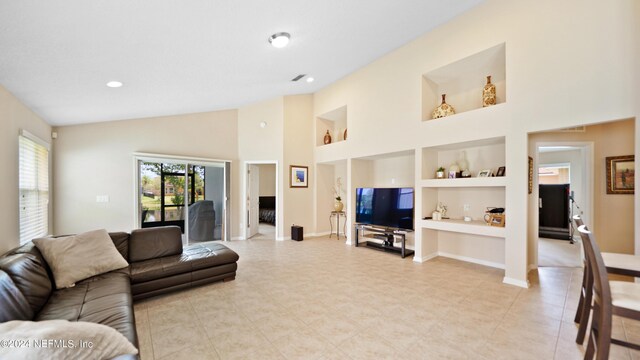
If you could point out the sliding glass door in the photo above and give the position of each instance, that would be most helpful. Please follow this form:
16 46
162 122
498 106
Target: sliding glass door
191 194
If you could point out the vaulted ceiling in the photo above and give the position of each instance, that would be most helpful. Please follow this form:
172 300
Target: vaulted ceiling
178 57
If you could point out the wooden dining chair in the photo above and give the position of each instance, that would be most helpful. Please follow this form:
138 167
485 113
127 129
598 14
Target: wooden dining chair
615 263
599 341
610 298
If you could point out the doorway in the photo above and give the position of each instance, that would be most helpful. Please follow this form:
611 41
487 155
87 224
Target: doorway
261 200
564 174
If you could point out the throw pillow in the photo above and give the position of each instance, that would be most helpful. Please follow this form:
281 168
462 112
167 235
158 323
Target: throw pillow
61 339
78 257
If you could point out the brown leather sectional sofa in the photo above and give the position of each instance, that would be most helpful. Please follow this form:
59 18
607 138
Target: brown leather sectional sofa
158 263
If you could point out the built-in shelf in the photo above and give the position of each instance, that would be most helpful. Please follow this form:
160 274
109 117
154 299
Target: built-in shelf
476 227
335 123
499 181
463 81
480 155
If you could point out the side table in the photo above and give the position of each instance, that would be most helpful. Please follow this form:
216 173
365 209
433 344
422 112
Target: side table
337 215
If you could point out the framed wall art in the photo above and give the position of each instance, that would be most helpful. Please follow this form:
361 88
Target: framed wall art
298 176
530 174
620 174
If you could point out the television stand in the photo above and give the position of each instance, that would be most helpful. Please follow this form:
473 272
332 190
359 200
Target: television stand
388 236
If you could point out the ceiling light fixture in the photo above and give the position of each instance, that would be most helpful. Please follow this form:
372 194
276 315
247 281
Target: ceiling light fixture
279 40
114 84
263 124
310 79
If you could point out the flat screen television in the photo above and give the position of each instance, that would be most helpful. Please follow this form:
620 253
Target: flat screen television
387 207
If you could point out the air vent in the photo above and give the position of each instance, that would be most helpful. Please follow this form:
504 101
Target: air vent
298 77
576 129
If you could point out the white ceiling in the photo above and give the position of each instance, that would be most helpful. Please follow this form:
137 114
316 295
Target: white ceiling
178 57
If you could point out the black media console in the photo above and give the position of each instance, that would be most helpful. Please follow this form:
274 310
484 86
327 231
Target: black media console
387 236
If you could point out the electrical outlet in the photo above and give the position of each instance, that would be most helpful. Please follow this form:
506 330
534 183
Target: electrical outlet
466 207
102 198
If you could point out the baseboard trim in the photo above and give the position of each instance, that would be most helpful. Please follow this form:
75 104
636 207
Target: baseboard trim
282 238
425 258
237 238
472 260
520 283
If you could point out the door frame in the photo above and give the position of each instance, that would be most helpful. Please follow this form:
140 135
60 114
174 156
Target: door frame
587 148
245 209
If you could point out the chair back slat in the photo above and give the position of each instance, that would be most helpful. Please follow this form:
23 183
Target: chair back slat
602 307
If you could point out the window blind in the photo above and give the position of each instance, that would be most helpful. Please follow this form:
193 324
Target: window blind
33 189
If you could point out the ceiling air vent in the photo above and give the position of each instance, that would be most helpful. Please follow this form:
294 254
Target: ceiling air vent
576 129
298 77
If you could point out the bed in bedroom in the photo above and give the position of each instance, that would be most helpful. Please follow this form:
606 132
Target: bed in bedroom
267 212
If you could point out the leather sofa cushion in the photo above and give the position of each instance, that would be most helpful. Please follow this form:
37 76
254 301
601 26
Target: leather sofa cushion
150 243
30 276
103 299
194 257
13 305
121 241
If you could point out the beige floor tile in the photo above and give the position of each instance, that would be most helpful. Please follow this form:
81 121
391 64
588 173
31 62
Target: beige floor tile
198 352
306 344
322 299
176 339
275 327
368 346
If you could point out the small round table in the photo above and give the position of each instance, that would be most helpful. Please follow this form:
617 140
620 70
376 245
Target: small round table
337 215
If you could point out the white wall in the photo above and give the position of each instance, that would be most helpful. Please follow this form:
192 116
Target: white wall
14 116
97 159
267 180
552 66
255 144
298 150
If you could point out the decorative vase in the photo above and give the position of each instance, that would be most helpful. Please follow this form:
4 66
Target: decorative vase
443 110
327 138
439 174
489 93
462 162
338 205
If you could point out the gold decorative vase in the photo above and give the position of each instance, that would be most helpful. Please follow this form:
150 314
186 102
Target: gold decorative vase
338 205
443 110
489 93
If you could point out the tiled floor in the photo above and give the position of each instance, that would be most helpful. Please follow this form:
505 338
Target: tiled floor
322 299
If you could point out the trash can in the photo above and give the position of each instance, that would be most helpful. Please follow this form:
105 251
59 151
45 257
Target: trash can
296 233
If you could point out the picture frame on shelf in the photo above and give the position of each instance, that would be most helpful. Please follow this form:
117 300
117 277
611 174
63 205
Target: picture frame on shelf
620 174
484 173
298 176
501 171
496 220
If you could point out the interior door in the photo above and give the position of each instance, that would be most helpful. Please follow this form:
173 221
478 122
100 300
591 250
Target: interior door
253 198
554 211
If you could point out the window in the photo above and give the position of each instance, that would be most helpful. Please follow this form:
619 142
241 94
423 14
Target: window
33 187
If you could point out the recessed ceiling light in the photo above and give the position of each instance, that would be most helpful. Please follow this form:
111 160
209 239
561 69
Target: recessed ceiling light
263 124
114 84
310 79
279 40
